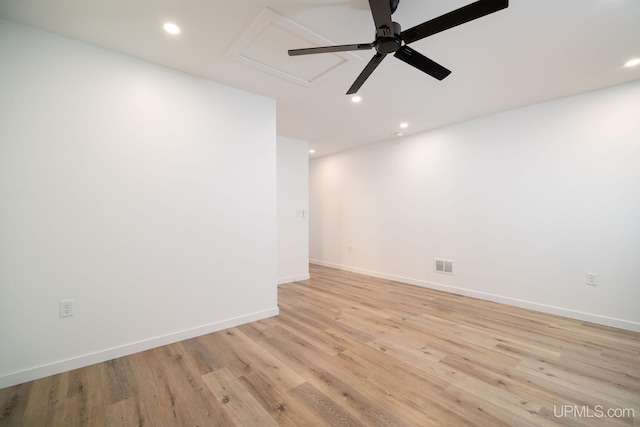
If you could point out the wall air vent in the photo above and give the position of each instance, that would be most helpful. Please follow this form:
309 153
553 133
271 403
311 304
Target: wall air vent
443 266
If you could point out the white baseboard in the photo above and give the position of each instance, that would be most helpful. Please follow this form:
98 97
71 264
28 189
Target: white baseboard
127 349
290 279
559 311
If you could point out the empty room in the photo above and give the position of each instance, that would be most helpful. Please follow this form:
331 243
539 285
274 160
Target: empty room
319 213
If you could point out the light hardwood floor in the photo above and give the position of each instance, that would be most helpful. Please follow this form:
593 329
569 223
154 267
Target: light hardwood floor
351 350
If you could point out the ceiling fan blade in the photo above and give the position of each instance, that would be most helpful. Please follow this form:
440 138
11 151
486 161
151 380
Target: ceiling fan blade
364 75
452 19
421 62
381 11
328 49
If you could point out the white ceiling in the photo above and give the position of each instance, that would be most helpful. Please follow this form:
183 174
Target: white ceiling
534 51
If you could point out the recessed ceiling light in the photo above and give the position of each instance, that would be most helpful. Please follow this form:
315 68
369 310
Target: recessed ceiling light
312 151
632 63
399 134
404 125
356 99
171 28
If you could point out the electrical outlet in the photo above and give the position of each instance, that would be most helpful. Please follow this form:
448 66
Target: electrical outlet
66 308
592 279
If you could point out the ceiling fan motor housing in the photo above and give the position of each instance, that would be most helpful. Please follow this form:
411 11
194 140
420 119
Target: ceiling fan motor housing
386 45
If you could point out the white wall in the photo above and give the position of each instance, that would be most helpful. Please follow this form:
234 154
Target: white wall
139 192
526 203
293 209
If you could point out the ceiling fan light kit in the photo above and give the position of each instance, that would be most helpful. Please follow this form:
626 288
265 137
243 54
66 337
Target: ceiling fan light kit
391 39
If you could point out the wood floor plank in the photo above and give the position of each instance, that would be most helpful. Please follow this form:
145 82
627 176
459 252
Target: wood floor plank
337 382
325 410
125 413
283 408
334 378
498 407
119 379
239 404
422 395
13 402
37 403
605 390
316 337
348 349
191 402
263 361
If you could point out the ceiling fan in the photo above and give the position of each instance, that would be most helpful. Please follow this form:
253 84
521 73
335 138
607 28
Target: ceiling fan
391 39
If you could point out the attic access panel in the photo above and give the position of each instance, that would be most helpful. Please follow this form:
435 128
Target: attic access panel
263 46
